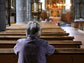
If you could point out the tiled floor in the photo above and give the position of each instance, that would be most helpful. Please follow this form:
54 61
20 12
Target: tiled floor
78 34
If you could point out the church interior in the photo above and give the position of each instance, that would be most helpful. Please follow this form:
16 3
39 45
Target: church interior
62 23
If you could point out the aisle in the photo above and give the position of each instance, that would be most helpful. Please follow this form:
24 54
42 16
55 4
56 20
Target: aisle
78 34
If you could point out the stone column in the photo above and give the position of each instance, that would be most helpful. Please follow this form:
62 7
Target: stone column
23 11
82 11
72 14
77 11
29 10
2 15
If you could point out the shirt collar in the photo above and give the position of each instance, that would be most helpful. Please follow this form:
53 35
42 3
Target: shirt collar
32 38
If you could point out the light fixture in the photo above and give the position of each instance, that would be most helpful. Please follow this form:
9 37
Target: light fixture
36 9
40 7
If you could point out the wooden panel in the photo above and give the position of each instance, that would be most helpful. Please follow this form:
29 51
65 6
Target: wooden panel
61 56
57 58
66 58
8 58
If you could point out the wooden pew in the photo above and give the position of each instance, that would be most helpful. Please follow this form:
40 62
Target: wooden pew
48 25
55 34
61 55
42 37
10 28
23 31
65 44
56 44
57 37
45 26
47 29
23 26
42 34
52 30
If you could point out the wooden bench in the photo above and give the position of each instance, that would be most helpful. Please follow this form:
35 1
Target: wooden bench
55 34
56 44
45 26
61 55
52 30
23 26
23 31
42 34
10 28
42 37
57 37
65 44
48 25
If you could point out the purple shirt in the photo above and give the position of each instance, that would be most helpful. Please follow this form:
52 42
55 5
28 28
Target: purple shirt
32 50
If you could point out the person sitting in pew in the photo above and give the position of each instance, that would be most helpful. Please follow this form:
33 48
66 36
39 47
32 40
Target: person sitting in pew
33 49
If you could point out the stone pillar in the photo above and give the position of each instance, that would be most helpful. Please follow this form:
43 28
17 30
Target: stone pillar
77 9
72 14
2 15
23 11
29 10
82 11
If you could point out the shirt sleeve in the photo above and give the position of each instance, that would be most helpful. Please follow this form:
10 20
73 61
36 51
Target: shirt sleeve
17 47
50 50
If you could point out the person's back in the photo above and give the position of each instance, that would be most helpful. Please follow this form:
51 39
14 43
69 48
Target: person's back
33 50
